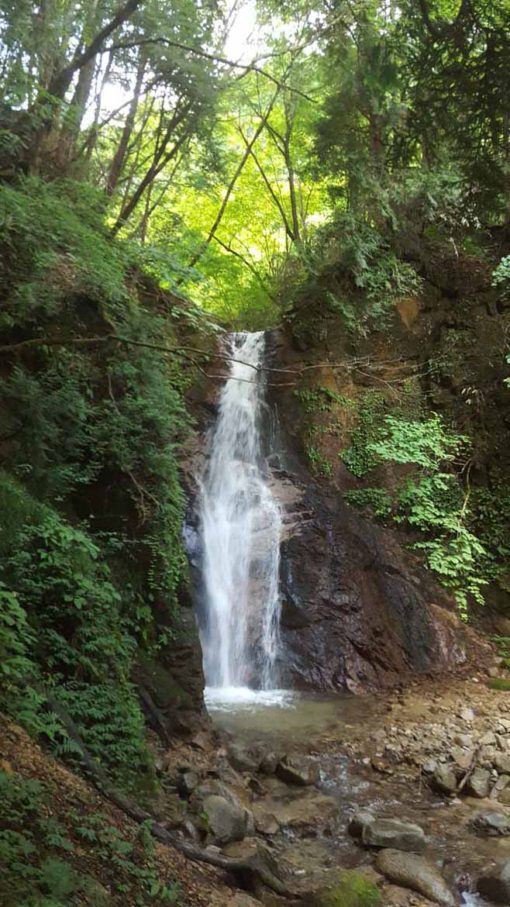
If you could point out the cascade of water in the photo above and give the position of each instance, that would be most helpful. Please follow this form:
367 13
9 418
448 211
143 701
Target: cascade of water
241 528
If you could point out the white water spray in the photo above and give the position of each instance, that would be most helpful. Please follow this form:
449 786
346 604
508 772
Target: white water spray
241 528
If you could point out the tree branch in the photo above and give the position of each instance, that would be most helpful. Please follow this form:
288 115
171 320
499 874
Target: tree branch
215 58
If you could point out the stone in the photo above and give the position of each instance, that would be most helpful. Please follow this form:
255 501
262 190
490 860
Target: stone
490 823
429 766
269 763
241 899
379 765
488 739
461 757
467 715
464 740
298 770
360 819
444 779
478 784
494 884
395 834
502 782
502 763
265 822
187 782
201 740
416 873
224 821
243 758
504 796
306 814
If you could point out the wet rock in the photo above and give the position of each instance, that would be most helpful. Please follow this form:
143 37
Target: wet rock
307 814
490 823
298 770
395 834
416 873
360 819
478 784
444 779
243 758
224 820
381 766
494 884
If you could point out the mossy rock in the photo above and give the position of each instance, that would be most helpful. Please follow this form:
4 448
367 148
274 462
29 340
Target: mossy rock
352 889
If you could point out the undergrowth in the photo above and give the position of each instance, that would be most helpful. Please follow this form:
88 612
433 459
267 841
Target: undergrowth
90 500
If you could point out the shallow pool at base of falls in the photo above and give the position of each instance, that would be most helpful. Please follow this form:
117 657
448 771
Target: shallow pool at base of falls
284 717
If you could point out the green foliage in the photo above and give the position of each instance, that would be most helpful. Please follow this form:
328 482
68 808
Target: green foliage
377 500
91 504
320 399
360 457
319 464
501 276
37 852
431 501
426 443
54 246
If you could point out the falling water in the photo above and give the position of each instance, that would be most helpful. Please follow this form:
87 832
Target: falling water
241 526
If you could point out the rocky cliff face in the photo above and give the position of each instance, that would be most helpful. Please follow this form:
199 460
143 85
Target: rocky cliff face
358 611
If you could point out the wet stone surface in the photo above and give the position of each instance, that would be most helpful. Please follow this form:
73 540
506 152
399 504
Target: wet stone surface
367 789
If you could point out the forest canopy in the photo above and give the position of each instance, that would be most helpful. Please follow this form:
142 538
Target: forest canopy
233 141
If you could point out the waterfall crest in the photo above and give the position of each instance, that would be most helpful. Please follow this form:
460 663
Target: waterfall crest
241 529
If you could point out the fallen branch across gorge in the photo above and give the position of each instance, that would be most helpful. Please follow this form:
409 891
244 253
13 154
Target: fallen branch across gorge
357 364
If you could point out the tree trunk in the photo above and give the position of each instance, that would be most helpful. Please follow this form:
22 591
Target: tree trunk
119 157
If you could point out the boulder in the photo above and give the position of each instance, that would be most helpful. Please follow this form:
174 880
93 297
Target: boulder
187 782
502 763
478 784
306 814
298 770
360 819
269 763
224 821
416 873
265 822
444 779
243 758
491 824
494 884
393 833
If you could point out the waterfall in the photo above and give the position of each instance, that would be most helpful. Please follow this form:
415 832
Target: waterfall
241 528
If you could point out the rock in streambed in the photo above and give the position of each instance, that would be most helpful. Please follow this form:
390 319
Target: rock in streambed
414 872
382 833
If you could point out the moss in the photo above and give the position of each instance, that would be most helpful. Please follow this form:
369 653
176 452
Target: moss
352 889
499 683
